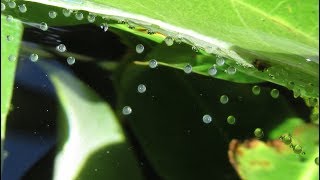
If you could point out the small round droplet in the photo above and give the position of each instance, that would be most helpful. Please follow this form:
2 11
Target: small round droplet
169 41
231 120
104 27
316 160
258 133
61 48
208 49
71 60
22 8
256 90
287 139
12 4
142 88
207 119
9 18
52 14
187 69
43 26
220 61
12 57
34 57
212 71
91 18
3 7
139 48
224 99
126 110
9 38
231 70
153 63
79 16
297 149
274 93
67 12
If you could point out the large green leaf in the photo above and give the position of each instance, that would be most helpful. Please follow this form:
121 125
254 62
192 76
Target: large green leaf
11 33
92 143
255 159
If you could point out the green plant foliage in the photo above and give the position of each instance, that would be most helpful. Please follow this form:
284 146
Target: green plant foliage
92 143
10 39
278 160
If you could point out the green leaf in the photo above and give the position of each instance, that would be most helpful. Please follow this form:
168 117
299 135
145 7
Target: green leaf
274 160
13 29
92 143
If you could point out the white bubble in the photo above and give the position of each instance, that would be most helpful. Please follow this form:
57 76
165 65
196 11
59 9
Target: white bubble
139 48
256 90
12 57
187 69
71 60
9 38
12 4
91 18
66 12
9 18
169 41
61 48
34 57
79 16
104 27
209 49
22 8
274 93
207 119
224 99
52 14
212 71
43 26
231 70
220 61
142 88
153 63
3 7
126 110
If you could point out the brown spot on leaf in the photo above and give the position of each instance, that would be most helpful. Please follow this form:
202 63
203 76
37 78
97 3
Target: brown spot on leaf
261 65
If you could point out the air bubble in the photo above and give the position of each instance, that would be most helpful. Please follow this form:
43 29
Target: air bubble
187 69
274 93
43 26
153 63
212 71
139 48
142 88
149 31
34 57
316 160
258 133
22 8
126 110
195 48
169 41
207 119
297 149
12 57
231 120
231 70
79 16
61 48
220 61
9 18
12 4
3 7
209 49
52 14
67 12
91 18
286 139
71 60
9 38
256 90
224 99
104 27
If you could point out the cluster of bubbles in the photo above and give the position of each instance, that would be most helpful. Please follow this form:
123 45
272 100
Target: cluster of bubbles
288 140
